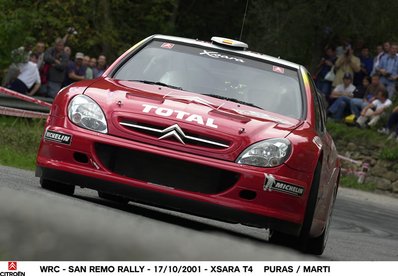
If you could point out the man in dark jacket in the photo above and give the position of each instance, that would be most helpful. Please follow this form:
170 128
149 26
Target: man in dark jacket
56 61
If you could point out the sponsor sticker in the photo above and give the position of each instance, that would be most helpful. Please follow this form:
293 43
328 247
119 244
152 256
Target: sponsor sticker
58 137
278 69
167 45
271 184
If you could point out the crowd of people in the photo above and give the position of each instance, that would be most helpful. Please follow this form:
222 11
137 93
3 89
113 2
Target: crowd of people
358 87
48 70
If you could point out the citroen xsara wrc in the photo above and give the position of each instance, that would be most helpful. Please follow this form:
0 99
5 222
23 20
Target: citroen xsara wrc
206 128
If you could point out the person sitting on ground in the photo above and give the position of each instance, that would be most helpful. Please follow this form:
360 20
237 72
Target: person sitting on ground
392 121
374 110
28 78
342 95
357 103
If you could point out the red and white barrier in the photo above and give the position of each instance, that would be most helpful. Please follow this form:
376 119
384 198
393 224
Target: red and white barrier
350 160
9 111
25 98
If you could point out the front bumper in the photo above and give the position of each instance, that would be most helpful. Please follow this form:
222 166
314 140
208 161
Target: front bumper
237 195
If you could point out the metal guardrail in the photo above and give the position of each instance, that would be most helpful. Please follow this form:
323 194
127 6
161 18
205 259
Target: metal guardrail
15 104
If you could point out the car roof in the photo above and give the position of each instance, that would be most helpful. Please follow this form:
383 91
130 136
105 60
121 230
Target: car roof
227 48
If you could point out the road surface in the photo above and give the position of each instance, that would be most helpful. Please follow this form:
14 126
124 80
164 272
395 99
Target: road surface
36 224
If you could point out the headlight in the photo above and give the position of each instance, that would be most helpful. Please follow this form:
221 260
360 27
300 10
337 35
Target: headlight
267 153
86 113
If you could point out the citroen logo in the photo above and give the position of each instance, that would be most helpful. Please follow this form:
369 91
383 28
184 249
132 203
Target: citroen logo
173 131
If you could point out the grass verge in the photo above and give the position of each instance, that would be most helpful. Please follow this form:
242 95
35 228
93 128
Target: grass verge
351 181
19 141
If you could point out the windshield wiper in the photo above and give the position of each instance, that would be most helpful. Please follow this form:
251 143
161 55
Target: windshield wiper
232 100
158 83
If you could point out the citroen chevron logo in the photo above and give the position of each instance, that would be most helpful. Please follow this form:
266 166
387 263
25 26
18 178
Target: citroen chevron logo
173 131
12 265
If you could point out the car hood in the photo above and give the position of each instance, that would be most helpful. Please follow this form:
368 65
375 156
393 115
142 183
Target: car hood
184 121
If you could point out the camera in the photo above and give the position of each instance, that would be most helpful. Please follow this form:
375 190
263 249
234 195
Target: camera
72 31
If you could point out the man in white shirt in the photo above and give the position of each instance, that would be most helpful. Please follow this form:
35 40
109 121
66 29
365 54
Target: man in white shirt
342 95
375 109
28 78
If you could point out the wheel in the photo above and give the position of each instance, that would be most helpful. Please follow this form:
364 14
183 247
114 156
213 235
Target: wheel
303 239
112 197
57 187
317 245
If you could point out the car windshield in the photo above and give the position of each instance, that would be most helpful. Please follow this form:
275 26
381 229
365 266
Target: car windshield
212 72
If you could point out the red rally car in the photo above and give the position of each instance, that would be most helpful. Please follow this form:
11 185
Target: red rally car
207 128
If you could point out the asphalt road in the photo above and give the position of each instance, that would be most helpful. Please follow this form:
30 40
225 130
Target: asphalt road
36 224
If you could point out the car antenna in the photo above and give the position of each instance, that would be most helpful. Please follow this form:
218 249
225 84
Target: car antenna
243 23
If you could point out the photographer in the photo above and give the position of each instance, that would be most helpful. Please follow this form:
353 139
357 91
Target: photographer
347 63
388 70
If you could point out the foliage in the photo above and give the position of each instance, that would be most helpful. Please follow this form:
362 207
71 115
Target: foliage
20 140
293 29
351 181
389 153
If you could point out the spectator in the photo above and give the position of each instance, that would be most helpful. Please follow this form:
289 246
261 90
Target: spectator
374 110
357 103
93 63
68 51
101 66
392 121
324 67
381 51
347 63
342 95
39 50
388 69
57 61
93 66
76 70
366 66
28 78
89 72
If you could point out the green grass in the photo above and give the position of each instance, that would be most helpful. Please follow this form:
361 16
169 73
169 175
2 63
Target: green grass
385 150
19 141
351 181
389 153
341 131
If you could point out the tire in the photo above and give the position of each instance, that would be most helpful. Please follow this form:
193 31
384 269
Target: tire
112 197
317 245
300 242
57 187
304 242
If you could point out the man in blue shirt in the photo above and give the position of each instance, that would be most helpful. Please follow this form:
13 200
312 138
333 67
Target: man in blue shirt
388 70
366 66
76 70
